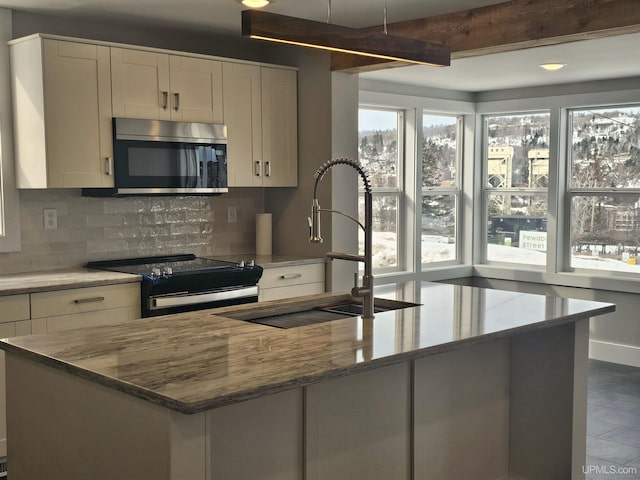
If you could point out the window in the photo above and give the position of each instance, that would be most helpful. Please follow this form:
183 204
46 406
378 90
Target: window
440 187
604 192
516 176
380 152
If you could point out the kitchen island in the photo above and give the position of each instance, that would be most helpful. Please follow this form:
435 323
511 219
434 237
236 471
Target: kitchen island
473 383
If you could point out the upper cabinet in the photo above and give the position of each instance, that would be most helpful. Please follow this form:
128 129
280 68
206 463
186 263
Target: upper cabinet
159 86
66 93
260 111
62 114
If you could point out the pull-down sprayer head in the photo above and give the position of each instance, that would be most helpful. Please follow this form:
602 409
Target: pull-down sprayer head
314 219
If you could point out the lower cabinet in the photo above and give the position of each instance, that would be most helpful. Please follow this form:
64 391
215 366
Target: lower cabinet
84 307
45 312
291 281
14 320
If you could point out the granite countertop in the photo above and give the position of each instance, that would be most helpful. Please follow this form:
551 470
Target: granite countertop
31 282
46 281
191 362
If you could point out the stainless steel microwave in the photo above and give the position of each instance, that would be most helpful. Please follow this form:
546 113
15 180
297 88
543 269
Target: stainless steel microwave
156 157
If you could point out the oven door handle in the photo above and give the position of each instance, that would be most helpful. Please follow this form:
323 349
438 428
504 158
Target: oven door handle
181 299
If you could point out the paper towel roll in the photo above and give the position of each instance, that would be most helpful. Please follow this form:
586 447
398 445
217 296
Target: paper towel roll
263 234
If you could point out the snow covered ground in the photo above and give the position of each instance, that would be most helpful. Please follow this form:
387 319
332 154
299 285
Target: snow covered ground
384 244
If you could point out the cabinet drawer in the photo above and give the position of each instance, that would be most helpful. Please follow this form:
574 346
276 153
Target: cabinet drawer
78 300
294 275
90 319
14 307
277 293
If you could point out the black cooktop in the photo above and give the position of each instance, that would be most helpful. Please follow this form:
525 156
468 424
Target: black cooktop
179 264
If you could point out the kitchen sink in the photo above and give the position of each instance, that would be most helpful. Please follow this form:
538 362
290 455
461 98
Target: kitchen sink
309 315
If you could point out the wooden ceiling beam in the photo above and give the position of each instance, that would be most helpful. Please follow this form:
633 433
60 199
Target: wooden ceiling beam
508 26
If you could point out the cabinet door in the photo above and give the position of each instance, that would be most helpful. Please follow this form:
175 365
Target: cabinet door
140 84
77 90
242 115
279 127
196 89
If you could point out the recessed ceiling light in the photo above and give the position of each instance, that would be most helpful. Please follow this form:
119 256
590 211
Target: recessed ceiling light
255 3
552 67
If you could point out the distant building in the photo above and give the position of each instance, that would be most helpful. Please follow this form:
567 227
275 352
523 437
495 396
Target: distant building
538 167
500 166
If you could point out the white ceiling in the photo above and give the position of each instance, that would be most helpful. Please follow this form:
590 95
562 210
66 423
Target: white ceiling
613 57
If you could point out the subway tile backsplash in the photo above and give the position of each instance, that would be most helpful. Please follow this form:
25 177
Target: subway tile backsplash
102 229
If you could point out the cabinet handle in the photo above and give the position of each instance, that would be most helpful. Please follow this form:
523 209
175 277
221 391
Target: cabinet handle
176 101
289 276
257 168
165 100
89 300
108 161
267 169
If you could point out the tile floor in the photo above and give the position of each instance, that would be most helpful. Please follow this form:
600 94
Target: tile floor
613 422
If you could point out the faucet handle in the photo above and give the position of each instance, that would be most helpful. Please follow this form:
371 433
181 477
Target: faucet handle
355 279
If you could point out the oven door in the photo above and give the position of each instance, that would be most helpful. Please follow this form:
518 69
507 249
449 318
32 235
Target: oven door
169 167
188 301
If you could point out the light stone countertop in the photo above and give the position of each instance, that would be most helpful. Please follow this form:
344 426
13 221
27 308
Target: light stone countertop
195 361
49 280
45 281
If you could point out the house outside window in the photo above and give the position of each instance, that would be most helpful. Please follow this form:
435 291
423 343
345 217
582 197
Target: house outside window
604 190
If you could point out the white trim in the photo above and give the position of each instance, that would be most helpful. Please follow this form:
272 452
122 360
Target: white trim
614 353
9 203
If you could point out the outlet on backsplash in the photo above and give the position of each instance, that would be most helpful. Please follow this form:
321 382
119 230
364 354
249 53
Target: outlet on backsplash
50 218
232 215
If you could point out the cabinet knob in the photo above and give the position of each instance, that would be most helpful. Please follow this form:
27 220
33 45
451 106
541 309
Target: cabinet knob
257 168
176 101
165 100
267 169
108 165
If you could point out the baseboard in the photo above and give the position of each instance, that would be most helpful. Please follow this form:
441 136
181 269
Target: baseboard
614 353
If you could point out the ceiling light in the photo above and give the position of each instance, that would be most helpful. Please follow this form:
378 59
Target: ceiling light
308 33
552 67
255 3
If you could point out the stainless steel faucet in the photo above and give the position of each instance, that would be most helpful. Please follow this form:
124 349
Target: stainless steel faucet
366 290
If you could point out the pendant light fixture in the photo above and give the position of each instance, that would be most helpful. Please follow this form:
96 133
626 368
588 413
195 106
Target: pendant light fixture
308 33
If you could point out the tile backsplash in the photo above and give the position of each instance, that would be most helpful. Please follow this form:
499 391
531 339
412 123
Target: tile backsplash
107 228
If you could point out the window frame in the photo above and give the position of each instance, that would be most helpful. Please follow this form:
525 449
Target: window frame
9 203
455 191
399 192
570 192
486 191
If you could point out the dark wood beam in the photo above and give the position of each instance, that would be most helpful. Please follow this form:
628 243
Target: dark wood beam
508 26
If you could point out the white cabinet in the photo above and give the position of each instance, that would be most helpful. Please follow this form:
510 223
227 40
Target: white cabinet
14 320
358 427
159 86
260 111
291 281
84 307
44 312
62 113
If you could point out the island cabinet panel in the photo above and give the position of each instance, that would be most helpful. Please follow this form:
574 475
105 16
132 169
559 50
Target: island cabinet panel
159 86
461 414
549 371
359 427
260 439
87 431
62 113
